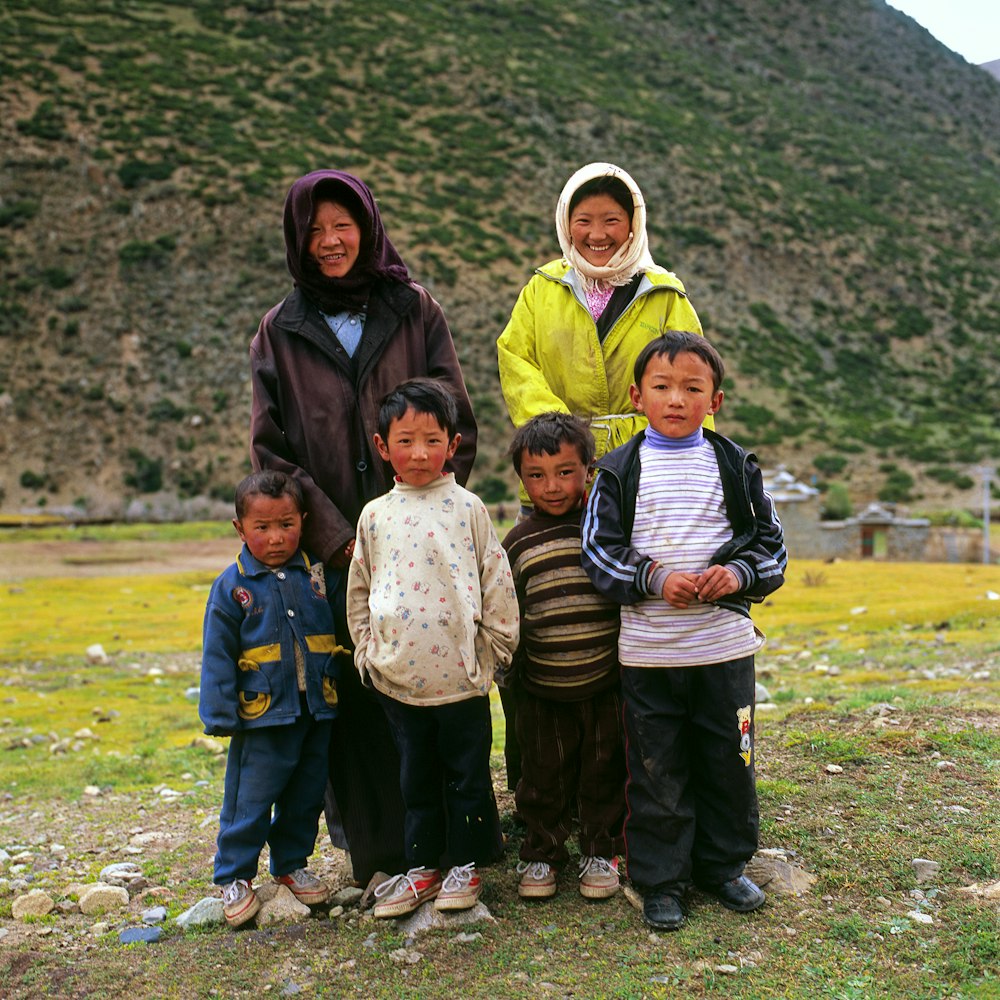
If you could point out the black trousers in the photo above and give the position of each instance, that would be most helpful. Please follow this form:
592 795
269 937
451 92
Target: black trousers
451 811
573 756
363 805
691 796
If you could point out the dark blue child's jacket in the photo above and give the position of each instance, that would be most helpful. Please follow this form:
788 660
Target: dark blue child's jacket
254 619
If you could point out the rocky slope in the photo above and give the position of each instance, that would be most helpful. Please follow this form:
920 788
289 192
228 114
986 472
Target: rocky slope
822 175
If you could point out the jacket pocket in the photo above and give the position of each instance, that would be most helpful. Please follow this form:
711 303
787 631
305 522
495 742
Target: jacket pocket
254 690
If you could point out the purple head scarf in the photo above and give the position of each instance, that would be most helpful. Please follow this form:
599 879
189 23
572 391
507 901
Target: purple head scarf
377 257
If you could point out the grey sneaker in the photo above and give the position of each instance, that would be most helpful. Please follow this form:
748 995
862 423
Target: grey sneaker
305 886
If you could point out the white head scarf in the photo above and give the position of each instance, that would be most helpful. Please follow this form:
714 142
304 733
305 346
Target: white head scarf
632 257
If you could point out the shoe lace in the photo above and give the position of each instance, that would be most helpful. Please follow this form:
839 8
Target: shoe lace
234 891
458 877
399 884
595 865
536 870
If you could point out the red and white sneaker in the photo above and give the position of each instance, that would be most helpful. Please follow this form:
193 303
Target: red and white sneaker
305 886
460 889
402 894
538 880
239 902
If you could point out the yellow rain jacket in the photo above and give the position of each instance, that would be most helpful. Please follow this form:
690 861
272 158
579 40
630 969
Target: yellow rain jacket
551 358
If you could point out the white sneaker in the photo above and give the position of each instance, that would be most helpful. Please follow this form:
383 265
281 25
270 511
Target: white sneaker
538 880
598 877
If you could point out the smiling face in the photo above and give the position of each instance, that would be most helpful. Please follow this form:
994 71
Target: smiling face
334 239
555 484
599 227
677 395
271 528
417 447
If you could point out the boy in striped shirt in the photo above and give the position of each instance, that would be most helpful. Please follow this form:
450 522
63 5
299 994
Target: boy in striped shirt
565 673
680 532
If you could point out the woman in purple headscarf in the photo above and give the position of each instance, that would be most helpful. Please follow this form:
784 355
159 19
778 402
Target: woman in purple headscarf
353 327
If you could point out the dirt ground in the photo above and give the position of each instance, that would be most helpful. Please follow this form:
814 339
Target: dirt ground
25 560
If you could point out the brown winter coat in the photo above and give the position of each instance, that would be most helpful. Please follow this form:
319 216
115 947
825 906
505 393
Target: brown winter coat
315 408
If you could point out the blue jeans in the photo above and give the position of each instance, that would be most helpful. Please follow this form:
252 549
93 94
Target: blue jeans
283 767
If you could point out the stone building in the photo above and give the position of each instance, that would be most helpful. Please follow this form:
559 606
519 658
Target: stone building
876 533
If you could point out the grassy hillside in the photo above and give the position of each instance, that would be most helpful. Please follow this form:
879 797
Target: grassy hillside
823 176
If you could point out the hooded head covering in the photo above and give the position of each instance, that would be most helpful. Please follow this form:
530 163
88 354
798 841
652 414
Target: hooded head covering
632 256
377 257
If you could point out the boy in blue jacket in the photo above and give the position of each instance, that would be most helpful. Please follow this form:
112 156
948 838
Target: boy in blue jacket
680 532
268 680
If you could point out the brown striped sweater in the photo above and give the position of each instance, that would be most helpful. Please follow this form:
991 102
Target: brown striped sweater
569 631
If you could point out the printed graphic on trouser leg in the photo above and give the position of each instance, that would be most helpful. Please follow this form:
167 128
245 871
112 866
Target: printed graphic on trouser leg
746 748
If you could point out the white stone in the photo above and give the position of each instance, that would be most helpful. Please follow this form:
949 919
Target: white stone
279 905
833 769
920 918
96 654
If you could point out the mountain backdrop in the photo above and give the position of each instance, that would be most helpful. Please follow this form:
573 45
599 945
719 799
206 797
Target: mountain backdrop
822 174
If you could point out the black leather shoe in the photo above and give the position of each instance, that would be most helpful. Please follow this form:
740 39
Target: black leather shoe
662 911
739 894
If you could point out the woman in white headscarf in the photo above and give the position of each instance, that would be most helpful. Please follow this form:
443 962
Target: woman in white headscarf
581 320
580 323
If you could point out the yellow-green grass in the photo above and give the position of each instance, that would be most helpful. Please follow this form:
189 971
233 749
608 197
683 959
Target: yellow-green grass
825 601
46 618
44 528
61 617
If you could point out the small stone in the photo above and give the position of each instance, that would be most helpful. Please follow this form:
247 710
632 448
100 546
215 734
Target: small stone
35 903
882 903
96 654
133 935
154 915
205 911
279 905
920 918
464 938
120 873
404 956
727 970
761 694
100 898
101 927
925 870
833 769
92 790
991 891
192 693
335 912
946 765
347 896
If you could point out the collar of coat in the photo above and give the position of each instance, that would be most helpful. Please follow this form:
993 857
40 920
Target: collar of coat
249 565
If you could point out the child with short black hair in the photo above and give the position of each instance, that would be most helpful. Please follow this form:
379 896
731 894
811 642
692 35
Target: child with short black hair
432 612
565 672
680 532
268 680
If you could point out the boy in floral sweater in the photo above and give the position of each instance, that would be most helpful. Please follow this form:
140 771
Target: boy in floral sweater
432 612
